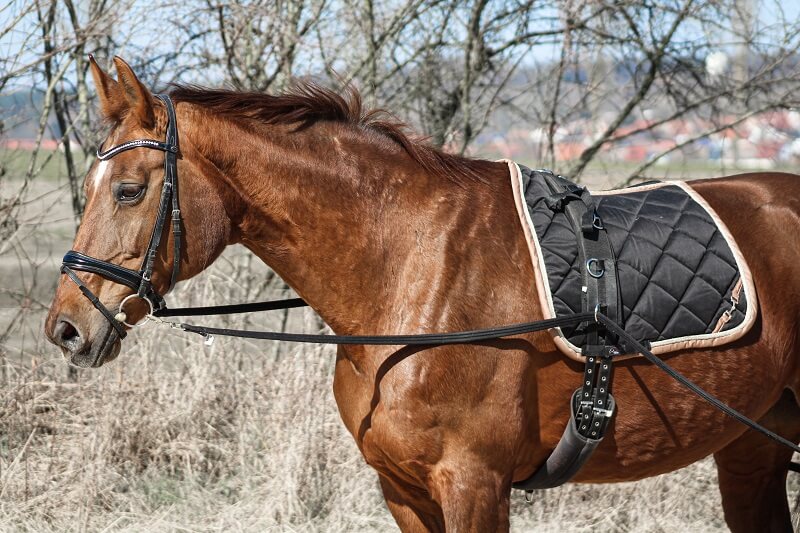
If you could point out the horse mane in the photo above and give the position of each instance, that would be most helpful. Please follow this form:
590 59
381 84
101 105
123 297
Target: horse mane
306 103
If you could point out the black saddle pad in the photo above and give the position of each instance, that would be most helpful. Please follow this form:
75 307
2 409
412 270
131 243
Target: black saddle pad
683 282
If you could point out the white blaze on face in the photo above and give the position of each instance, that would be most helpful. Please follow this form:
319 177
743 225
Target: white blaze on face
99 172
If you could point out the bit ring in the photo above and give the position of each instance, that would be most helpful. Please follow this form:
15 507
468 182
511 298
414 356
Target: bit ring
122 317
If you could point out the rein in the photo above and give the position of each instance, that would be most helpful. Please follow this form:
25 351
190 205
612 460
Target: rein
592 404
440 339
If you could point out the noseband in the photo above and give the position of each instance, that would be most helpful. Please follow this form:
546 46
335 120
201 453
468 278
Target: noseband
139 281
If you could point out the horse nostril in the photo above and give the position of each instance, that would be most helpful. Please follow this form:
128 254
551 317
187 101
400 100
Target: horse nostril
69 332
67 335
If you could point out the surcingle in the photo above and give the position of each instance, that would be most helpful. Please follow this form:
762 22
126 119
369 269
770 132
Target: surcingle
682 281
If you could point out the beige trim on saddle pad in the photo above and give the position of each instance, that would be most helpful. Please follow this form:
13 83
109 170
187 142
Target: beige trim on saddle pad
706 340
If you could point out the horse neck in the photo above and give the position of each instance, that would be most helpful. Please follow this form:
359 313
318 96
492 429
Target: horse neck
348 219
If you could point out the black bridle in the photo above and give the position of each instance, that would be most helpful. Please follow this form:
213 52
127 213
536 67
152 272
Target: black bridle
140 281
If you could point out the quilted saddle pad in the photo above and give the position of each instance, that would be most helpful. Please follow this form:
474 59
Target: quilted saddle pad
683 282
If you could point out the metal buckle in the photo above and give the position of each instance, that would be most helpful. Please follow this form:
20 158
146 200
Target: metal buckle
603 412
591 270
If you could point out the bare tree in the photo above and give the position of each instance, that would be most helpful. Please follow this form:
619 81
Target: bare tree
256 44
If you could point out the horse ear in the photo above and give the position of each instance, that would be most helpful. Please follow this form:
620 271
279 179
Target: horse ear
112 103
140 100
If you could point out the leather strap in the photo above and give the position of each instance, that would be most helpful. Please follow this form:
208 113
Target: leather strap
596 257
116 324
169 197
125 276
232 309
570 454
171 175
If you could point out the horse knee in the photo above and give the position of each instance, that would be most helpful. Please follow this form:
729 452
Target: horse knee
472 497
413 511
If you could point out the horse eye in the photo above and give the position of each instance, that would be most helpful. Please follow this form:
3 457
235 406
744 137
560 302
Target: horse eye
129 192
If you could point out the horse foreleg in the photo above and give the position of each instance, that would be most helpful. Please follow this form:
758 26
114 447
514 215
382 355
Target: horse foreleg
413 512
472 497
752 473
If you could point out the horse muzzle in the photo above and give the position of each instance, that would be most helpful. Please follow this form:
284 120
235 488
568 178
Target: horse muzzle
82 350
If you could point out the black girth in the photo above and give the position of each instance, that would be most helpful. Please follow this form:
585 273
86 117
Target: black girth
592 405
139 281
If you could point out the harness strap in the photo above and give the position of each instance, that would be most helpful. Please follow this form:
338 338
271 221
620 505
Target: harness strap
599 292
423 339
170 174
592 404
116 324
568 457
272 305
169 196
465 337
596 257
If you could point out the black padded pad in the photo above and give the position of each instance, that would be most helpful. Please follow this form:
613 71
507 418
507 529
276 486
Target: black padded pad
676 269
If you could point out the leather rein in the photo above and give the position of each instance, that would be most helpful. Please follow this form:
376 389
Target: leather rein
140 282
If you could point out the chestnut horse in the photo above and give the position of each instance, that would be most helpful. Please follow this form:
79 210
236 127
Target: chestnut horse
382 234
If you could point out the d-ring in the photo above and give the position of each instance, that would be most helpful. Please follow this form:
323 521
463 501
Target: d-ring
590 268
122 317
597 222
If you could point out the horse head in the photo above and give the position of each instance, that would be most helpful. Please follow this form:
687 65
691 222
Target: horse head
126 191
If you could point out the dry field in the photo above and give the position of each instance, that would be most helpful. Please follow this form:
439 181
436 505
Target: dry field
238 436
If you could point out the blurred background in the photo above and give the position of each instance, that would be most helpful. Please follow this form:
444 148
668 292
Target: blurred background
179 436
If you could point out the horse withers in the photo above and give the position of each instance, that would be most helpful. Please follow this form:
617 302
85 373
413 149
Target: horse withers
382 234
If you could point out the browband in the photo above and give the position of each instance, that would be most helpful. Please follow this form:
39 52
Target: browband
137 143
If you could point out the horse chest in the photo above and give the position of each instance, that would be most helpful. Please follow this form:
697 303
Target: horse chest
398 436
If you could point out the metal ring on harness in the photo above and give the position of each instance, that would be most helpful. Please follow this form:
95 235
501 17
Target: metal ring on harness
590 268
597 222
122 317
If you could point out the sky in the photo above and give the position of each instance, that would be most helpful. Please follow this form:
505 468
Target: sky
146 34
